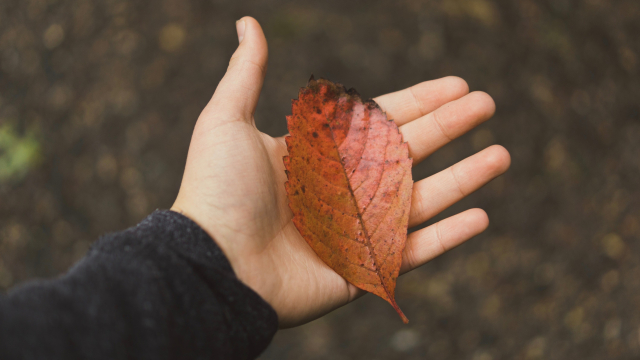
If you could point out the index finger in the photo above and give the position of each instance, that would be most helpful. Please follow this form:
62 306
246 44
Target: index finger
418 100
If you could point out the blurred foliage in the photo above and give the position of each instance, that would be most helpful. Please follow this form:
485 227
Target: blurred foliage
17 154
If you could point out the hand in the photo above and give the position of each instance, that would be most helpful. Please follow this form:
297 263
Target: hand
233 184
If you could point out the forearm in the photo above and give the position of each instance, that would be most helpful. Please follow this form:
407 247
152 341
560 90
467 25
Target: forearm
160 290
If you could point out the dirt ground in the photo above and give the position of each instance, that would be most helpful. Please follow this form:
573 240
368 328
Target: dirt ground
98 100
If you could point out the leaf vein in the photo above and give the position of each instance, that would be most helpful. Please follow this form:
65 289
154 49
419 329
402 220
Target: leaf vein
364 211
317 217
389 209
318 152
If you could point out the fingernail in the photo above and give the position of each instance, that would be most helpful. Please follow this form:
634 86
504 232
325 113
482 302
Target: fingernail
240 29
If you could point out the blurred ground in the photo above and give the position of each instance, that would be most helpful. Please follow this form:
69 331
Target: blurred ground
98 100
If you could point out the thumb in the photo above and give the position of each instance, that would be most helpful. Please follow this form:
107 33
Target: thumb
237 93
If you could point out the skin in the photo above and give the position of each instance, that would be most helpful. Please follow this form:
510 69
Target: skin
233 184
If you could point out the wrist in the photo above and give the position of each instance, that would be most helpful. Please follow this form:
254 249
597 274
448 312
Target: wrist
247 267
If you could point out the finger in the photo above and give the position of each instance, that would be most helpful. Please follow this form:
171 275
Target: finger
237 93
430 132
437 192
411 103
426 244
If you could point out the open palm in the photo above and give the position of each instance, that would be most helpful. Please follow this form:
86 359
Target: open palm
233 185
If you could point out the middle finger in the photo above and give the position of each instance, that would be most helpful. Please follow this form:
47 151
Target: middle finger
430 132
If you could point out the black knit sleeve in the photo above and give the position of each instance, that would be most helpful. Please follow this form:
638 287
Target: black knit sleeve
160 290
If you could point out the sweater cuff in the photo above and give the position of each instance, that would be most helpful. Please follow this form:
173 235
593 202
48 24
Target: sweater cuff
250 322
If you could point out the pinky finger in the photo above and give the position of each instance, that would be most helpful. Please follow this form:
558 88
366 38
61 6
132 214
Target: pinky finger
430 242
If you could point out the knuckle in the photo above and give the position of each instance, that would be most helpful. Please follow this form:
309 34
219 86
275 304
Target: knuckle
410 255
418 207
437 119
417 102
241 62
439 238
457 182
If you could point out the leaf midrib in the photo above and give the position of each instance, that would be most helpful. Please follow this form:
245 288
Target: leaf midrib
355 203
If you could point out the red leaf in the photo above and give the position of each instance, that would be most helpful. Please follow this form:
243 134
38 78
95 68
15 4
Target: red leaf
349 185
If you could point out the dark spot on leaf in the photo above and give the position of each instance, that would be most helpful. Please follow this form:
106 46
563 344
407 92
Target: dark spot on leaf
315 134
304 189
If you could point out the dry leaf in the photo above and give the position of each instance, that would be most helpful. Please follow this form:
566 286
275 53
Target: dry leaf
349 185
